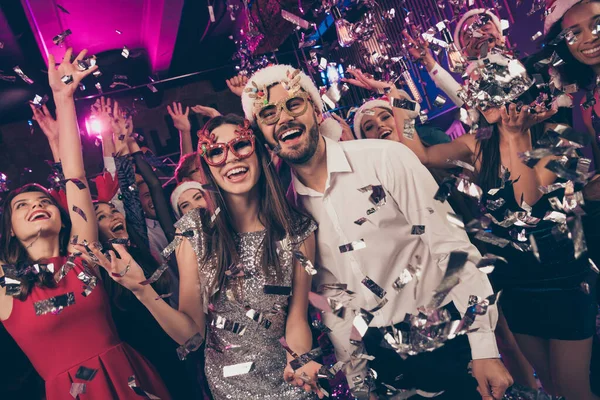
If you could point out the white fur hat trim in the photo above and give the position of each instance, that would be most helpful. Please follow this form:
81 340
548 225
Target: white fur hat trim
182 187
468 15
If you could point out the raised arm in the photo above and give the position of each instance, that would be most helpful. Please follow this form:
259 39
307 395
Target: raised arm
161 205
436 156
49 126
412 188
182 124
81 210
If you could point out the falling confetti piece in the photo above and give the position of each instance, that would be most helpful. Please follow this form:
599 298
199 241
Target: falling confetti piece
80 212
85 374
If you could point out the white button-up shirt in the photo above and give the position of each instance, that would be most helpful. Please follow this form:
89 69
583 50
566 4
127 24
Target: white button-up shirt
390 246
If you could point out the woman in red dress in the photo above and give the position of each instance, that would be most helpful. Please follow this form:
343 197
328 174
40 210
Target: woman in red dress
50 302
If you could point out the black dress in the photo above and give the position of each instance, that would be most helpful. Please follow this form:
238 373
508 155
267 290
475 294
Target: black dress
553 296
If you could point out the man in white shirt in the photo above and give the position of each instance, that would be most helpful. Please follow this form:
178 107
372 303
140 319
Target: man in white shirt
358 242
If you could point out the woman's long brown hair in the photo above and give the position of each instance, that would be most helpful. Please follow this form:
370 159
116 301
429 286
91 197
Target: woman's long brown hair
274 212
12 251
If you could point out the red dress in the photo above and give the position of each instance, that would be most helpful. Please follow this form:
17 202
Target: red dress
82 334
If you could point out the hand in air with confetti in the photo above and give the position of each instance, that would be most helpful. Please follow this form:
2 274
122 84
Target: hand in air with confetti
65 78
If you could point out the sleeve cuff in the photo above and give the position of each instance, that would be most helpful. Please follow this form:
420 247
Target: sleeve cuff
109 165
483 345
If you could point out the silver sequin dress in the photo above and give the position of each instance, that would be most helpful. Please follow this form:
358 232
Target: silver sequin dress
245 325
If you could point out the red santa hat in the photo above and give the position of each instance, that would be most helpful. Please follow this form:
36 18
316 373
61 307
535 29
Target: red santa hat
182 187
555 10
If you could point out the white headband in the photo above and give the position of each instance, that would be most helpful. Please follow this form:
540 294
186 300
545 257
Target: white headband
274 74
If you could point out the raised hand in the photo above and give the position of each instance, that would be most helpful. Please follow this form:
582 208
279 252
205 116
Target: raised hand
122 269
208 111
69 71
346 130
180 118
237 84
48 124
366 81
304 378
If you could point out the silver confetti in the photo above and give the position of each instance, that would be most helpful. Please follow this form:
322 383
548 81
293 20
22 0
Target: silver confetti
22 75
54 305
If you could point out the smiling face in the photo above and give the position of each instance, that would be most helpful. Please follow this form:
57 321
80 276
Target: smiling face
476 31
32 213
235 176
583 36
297 135
111 223
145 198
381 125
190 200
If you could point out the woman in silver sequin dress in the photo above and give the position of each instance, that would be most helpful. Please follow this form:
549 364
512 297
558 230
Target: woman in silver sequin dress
239 273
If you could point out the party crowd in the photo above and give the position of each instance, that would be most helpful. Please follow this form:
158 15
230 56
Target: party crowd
306 255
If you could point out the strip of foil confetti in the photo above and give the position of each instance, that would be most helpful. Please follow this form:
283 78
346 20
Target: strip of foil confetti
139 391
54 305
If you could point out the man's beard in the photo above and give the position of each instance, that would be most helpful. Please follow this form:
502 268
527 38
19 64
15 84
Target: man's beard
305 153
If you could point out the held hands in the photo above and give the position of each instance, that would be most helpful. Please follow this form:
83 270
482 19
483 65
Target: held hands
70 70
518 121
237 84
122 269
304 378
492 378
180 118
103 111
48 124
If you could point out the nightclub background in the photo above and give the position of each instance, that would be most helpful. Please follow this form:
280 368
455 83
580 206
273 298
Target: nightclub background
189 52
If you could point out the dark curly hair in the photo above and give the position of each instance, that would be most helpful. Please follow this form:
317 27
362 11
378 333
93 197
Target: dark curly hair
572 70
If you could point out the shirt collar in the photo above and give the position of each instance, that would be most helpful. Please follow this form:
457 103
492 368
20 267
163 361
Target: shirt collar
336 162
